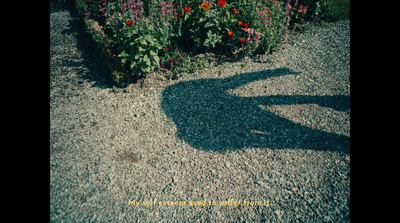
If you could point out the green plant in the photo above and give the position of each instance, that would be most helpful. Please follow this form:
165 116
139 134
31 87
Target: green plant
137 37
336 9
325 10
236 28
141 55
271 19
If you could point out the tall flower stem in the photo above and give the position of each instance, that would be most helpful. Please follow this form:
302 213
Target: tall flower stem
287 15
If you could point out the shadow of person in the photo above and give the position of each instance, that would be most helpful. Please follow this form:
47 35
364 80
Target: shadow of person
208 118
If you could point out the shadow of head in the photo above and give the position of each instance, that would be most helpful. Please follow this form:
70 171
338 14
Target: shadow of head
208 118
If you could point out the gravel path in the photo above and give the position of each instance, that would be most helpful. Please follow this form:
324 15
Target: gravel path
273 136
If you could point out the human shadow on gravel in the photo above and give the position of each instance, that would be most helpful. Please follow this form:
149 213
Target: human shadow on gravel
208 118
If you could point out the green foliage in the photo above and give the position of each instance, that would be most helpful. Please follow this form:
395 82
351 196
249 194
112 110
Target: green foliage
336 9
326 10
137 37
254 29
141 55
80 6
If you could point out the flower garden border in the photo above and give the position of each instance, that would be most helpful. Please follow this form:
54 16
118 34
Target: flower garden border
231 29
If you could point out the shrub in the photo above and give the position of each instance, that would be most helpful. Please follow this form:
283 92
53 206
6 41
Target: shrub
138 37
334 10
327 10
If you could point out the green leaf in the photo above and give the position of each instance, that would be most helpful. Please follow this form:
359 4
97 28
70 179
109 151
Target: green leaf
146 69
157 45
133 65
156 59
208 25
142 41
153 53
202 19
123 54
149 40
207 43
186 17
209 34
146 60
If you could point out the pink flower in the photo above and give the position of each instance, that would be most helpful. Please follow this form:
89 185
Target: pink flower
257 37
249 40
166 48
262 59
266 20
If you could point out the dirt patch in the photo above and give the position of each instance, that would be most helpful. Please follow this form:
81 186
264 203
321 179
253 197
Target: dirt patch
129 157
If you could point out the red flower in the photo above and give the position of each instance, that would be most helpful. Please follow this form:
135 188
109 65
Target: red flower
128 22
162 65
186 9
171 61
242 40
166 48
226 15
230 33
245 26
222 3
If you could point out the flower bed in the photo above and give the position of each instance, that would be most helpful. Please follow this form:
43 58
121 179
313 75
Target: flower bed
138 37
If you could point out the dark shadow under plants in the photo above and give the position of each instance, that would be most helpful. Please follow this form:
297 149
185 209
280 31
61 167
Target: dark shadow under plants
96 72
208 118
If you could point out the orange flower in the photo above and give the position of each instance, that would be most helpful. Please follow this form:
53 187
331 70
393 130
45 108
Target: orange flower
302 9
205 5
235 11
240 23
222 3
267 10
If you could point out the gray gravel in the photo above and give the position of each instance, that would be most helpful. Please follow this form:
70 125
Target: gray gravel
275 132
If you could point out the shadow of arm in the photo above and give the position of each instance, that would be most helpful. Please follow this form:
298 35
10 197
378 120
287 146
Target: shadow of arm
336 102
245 78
